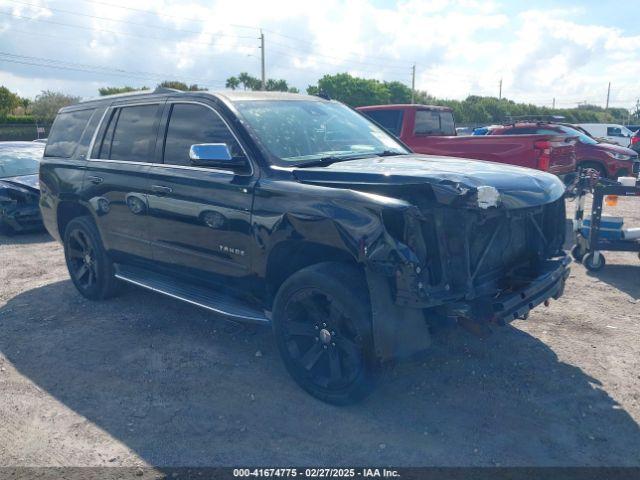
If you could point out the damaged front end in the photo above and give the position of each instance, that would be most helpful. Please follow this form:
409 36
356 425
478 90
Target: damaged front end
457 240
19 210
464 257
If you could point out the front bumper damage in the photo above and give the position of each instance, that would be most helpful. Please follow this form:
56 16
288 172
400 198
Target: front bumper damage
467 267
21 218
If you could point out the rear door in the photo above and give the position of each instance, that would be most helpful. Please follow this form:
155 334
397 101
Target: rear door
200 218
116 183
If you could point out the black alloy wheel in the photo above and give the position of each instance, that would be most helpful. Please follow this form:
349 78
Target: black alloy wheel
323 330
90 268
82 259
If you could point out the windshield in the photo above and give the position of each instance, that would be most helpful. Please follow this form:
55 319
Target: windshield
18 160
296 131
582 138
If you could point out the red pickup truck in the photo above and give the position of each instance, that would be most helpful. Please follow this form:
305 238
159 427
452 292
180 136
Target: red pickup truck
431 130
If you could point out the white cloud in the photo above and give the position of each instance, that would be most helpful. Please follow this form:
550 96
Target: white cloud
460 47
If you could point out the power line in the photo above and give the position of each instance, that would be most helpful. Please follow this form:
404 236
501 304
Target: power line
386 59
99 69
91 29
137 24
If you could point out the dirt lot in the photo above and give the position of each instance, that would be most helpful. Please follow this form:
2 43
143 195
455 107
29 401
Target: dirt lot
144 380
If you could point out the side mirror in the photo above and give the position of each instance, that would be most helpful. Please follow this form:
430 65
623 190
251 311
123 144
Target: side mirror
213 155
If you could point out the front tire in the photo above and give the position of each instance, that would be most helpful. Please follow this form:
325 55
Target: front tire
322 325
90 269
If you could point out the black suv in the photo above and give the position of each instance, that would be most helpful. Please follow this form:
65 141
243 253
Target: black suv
298 212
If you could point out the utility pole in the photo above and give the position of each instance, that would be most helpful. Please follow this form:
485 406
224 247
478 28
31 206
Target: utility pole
553 105
500 93
264 81
608 93
413 83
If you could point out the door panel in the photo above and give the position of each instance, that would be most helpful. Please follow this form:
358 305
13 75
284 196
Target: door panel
116 184
200 218
117 194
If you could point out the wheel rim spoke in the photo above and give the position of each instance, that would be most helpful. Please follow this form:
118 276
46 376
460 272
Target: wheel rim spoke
82 271
301 329
310 359
75 253
335 369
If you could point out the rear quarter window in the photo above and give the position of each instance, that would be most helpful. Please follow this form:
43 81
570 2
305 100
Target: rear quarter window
66 132
391 120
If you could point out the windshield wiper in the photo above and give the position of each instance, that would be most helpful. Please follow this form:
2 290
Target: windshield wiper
329 159
389 153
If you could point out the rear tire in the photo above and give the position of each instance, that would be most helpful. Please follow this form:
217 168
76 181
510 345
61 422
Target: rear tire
322 325
90 268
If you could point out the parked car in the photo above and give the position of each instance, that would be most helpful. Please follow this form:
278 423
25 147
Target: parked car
298 212
611 161
633 128
19 190
609 132
431 130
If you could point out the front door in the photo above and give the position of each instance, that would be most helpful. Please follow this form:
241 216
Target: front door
200 218
116 182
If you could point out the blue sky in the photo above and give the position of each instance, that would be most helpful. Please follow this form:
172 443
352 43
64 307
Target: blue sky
542 50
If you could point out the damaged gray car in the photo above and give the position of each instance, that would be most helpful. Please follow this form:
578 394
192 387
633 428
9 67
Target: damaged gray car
19 190
298 212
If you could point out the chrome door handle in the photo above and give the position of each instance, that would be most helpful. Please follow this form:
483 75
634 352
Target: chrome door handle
161 189
96 180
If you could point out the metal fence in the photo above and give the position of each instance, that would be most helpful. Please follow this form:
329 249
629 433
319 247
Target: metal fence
23 131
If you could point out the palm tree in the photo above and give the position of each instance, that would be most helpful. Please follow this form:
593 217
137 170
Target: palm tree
232 83
245 79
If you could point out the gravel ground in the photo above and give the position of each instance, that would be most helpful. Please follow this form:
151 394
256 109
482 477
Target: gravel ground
145 380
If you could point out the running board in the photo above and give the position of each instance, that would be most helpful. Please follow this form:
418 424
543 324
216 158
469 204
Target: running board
202 297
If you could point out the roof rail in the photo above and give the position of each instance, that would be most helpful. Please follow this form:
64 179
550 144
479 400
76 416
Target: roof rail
167 90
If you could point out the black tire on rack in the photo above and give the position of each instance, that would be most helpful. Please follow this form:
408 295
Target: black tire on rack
590 263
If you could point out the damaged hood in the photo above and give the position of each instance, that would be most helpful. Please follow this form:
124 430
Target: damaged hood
449 178
31 182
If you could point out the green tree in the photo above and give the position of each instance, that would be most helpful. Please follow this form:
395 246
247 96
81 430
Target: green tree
178 85
8 101
272 85
248 82
353 91
115 90
47 104
232 83
25 102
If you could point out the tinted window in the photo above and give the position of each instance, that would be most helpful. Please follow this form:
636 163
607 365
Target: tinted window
190 124
615 132
134 135
389 119
65 133
431 122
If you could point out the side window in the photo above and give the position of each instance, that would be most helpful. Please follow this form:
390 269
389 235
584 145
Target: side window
66 132
518 131
432 122
543 131
389 119
614 132
190 124
134 136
